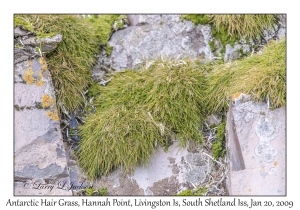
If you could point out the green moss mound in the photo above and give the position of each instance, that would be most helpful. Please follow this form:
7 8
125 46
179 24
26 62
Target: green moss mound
102 26
139 109
263 76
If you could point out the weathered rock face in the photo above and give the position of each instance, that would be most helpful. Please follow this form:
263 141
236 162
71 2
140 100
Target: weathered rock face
158 35
261 136
40 166
30 46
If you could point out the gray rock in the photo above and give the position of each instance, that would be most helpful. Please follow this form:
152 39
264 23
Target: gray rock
138 20
47 44
20 32
28 46
39 153
161 36
262 139
232 53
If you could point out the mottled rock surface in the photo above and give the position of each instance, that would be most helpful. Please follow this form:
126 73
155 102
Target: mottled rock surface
158 35
29 46
40 166
261 134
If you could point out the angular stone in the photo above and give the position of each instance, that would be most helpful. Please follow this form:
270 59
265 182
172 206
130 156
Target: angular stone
39 154
261 137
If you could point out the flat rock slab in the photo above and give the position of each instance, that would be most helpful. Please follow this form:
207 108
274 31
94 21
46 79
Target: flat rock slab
40 165
261 139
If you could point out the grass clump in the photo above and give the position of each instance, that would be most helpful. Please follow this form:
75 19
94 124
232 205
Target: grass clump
71 61
138 110
174 97
117 137
263 76
249 25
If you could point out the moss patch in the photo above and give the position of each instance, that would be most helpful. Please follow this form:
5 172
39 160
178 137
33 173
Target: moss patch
197 19
102 26
197 192
218 146
109 50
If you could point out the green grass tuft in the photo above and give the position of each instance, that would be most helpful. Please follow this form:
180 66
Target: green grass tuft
71 61
243 25
263 76
117 137
139 109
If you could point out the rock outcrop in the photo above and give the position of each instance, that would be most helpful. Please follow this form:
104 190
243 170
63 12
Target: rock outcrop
40 166
260 134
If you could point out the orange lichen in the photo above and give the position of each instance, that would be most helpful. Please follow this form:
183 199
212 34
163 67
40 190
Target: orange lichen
275 163
42 61
47 101
52 115
44 67
41 81
28 76
235 96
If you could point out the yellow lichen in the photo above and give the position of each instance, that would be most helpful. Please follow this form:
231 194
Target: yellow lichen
29 63
41 81
235 96
47 101
42 61
275 163
52 115
44 67
28 76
